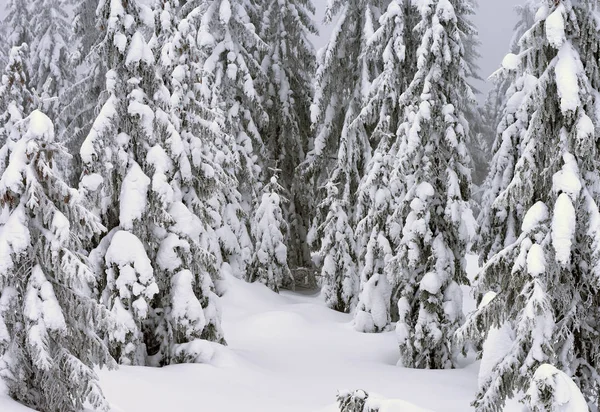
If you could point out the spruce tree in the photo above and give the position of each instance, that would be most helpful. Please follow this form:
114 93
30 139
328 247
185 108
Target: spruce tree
288 65
392 47
502 79
210 164
49 324
354 401
341 146
81 100
16 98
85 34
494 235
481 135
269 264
230 74
227 50
434 214
4 46
161 287
50 70
17 22
543 242
197 176
503 90
339 275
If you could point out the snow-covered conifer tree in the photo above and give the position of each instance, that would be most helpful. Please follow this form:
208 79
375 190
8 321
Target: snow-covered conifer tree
510 87
376 205
84 96
392 47
4 46
269 229
480 135
289 65
543 224
503 90
341 147
339 277
85 34
342 82
160 287
434 214
16 99
501 80
209 164
17 22
49 324
353 401
498 226
225 64
230 73
50 71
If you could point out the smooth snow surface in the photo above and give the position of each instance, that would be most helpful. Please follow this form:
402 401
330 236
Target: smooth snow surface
287 353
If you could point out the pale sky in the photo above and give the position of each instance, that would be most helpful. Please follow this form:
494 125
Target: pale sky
495 20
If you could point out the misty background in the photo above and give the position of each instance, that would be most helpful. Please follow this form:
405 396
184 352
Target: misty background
494 20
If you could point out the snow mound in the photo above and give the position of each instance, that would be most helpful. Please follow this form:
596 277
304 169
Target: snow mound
555 27
40 127
134 193
568 68
534 216
498 344
511 61
563 228
553 391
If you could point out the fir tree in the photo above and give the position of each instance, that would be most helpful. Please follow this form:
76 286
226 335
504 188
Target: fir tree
50 71
339 276
230 73
269 264
161 289
356 401
502 79
502 95
434 213
16 98
480 148
85 34
4 46
374 234
289 64
481 135
84 96
209 164
494 236
543 243
194 168
49 324
392 47
17 22
228 68
341 146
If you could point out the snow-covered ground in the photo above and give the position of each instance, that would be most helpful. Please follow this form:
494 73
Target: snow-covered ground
286 353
